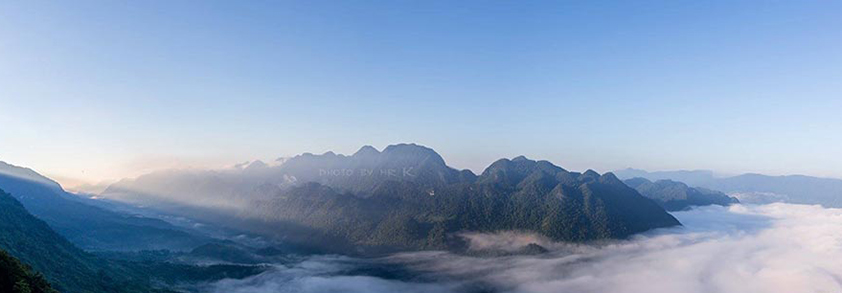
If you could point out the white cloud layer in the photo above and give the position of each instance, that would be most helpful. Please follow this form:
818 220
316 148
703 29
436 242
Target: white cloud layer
769 248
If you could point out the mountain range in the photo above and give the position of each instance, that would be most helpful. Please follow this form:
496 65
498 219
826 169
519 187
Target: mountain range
33 254
67 267
370 203
677 196
403 198
88 226
755 188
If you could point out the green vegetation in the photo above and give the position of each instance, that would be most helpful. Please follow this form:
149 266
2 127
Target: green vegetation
31 240
69 269
413 213
88 226
16 277
403 198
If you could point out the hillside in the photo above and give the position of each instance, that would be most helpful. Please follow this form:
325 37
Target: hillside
407 198
67 267
17 277
70 269
88 226
676 196
756 188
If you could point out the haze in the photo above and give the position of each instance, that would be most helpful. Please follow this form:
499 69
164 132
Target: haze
93 90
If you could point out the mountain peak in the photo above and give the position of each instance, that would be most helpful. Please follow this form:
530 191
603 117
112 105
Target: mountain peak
513 172
368 168
411 151
637 182
590 175
404 147
520 158
610 178
366 150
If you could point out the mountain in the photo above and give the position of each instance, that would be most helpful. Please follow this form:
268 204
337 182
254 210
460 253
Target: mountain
362 172
691 177
232 189
227 189
67 267
17 277
756 188
85 225
676 196
407 198
70 269
26 174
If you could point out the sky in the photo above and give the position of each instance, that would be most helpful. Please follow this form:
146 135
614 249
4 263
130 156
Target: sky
102 90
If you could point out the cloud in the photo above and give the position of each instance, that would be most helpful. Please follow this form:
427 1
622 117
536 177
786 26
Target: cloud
505 241
761 197
321 274
766 248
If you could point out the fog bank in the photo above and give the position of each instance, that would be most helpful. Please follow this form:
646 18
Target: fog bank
743 248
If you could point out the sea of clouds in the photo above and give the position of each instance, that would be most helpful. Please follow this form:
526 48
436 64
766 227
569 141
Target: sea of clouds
776 247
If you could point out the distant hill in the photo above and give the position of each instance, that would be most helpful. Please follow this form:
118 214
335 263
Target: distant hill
691 177
756 187
676 196
407 198
232 189
70 269
362 172
88 226
67 267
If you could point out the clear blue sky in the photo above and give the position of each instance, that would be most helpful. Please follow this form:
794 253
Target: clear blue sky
107 89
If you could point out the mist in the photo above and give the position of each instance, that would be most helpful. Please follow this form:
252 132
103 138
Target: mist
743 248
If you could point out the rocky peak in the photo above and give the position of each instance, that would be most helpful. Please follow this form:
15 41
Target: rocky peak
520 158
610 178
367 151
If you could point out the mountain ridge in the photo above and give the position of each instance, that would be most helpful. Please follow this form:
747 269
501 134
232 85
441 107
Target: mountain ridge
86 225
756 188
406 198
677 196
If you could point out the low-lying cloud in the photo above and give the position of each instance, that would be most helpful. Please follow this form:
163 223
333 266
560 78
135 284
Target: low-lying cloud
768 248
